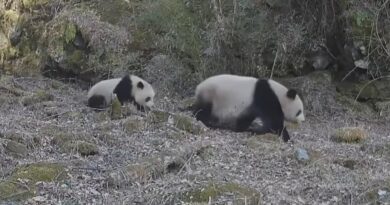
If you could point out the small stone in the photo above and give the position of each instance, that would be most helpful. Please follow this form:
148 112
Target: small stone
383 196
382 192
302 155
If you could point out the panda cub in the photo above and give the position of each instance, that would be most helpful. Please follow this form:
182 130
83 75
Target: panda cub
234 102
129 88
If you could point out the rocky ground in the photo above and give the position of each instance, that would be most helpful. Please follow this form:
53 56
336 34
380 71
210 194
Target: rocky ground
55 150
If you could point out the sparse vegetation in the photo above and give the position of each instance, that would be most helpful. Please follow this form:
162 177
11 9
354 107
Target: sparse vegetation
37 97
56 150
213 191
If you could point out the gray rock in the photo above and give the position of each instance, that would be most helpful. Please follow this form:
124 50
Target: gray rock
302 154
383 196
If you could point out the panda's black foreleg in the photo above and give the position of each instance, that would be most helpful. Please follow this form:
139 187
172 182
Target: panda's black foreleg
278 128
274 126
285 135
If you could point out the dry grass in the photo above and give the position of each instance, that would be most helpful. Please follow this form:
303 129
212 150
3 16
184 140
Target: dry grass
350 134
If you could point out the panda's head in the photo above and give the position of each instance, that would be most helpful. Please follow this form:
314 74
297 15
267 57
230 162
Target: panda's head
142 92
292 107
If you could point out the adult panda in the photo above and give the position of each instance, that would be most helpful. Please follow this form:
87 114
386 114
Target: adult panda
233 102
129 88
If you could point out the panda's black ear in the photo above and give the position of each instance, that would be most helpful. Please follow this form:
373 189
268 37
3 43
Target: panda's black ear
291 93
140 85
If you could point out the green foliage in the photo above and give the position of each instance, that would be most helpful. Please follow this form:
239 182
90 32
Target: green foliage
69 32
362 18
362 22
170 25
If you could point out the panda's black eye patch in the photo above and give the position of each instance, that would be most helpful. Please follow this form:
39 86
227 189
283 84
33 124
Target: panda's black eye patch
299 112
147 99
140 85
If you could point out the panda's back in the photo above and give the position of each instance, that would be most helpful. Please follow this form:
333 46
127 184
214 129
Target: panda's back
104 88
230 94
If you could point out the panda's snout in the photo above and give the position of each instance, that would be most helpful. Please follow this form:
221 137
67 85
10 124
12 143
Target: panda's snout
300 118
149 104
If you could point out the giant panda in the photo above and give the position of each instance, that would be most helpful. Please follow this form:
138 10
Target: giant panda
234 102
129 88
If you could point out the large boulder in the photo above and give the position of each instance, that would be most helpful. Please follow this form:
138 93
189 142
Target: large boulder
79 43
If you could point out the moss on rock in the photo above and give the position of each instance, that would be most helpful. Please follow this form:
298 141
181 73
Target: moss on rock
12 189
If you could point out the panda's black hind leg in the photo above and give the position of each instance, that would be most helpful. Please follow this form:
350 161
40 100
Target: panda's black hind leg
202 112
97 101
285 135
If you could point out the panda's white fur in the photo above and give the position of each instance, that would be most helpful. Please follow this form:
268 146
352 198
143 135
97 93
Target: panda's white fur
129 88
229 95
235 101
